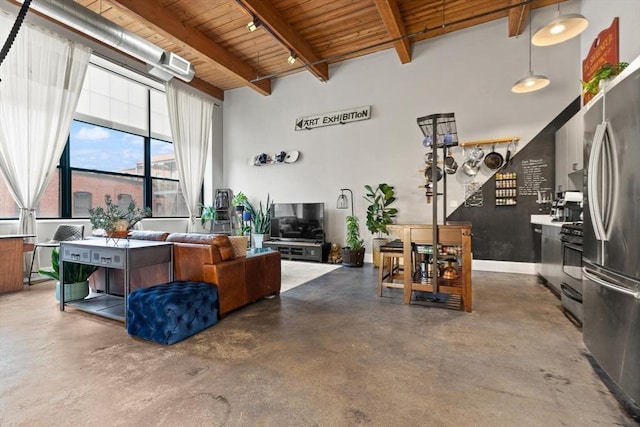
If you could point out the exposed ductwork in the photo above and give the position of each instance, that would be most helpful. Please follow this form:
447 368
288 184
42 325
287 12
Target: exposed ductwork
161 63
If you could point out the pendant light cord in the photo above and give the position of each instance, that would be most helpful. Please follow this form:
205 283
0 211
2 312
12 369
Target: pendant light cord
529 41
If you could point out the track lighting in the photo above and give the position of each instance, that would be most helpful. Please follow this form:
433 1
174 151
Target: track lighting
254 24
292 58
561 28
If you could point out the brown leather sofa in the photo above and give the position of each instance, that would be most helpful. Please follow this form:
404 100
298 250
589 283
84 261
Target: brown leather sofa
210 258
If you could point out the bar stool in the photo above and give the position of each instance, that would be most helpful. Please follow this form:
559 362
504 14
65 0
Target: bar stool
391 267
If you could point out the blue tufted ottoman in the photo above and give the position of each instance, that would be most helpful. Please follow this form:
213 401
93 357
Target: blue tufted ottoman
171 312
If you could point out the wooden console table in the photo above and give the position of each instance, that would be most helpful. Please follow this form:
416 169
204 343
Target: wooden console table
125 255
457 235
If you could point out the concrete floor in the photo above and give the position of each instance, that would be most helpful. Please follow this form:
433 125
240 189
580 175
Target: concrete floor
327 353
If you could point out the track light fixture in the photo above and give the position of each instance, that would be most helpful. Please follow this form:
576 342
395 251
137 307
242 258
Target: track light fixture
254 24
292 58
561 28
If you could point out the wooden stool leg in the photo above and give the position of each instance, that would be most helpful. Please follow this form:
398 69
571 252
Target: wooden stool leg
383 260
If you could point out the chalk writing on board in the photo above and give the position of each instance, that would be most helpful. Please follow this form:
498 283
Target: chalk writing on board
534 178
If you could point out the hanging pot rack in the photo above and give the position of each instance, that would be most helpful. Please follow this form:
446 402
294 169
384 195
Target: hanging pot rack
505 140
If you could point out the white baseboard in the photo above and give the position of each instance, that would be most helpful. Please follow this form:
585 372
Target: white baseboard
505 266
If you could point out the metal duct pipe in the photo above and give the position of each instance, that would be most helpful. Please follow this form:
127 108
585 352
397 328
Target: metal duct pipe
161 63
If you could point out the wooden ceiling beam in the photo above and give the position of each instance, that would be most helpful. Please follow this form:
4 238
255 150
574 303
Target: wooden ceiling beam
275 24
207 88
517 18
157 17
392 20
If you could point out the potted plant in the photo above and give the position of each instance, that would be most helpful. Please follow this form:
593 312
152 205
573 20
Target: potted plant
76 277
239 201
379 214
115 221
261 218
353 253
208 213
607 71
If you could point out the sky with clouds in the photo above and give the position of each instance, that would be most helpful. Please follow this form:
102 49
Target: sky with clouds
98 148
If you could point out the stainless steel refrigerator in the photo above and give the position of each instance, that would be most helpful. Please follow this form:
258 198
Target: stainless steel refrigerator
611 251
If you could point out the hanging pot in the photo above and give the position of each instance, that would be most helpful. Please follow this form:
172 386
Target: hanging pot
450 164
493 160
428 173
476 154
470 167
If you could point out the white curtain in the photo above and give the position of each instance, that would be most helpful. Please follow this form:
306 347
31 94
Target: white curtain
190 117
41 81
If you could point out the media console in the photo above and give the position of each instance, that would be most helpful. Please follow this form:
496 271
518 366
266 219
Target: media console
305 251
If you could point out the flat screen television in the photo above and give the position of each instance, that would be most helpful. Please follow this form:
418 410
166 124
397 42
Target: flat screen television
298 221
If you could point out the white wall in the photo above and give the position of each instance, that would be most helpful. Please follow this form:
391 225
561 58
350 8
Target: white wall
601 13
469 73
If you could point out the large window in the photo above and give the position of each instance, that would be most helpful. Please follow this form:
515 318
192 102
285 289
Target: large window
107 161
119 144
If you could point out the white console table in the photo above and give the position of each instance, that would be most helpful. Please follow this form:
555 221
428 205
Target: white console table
122 254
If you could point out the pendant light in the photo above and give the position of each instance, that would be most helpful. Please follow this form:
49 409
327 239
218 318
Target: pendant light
561 28
531 82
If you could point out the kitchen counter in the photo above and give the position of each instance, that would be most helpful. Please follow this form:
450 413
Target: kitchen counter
546 220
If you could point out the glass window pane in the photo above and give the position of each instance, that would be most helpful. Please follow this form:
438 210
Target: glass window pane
168 199
112 98
99 148
160 127
8 207
163 160
48 207
96 185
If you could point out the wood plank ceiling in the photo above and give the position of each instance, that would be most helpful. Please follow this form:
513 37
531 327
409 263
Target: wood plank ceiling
213 34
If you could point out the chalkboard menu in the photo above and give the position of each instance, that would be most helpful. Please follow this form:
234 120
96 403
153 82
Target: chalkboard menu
535 176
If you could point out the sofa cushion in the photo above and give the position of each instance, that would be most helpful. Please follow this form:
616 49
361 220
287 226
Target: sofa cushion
224 249
159 236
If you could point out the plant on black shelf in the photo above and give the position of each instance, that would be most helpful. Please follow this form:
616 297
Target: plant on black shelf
239 201
261 217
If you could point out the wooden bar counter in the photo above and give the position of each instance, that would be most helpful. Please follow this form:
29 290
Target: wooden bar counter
457 235
12 248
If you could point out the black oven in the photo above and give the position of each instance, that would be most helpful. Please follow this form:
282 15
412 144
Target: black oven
571 285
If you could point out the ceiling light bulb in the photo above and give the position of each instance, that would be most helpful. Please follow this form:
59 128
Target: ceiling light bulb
251 26
557 29
292 59
529 83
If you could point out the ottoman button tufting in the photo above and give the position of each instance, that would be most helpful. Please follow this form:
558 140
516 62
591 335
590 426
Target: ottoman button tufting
171 312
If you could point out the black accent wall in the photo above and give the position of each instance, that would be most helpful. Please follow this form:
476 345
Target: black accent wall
504 233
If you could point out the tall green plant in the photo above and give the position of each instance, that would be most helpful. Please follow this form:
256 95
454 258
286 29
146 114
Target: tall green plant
354 241
261 217
73 272
379 214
